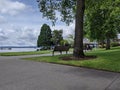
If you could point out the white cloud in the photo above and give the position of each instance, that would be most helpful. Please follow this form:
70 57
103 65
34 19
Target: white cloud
66 29
11 8
20 37
23 29
2 20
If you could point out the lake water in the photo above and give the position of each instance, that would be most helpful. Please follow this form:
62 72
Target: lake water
18 50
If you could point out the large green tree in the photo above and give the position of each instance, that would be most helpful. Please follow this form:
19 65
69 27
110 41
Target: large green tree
112 17
69 10
103 21
44 39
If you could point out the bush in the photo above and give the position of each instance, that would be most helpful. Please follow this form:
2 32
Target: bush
102 46
64 43
115 44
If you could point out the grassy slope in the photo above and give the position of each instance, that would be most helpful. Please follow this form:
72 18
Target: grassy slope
24 53
106 60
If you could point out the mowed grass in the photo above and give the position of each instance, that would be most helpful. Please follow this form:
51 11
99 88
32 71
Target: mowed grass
106 60
25 53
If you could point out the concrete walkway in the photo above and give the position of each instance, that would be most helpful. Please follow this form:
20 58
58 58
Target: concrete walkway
17 74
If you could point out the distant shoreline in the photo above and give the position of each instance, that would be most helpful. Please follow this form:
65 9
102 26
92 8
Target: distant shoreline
17 49
18 46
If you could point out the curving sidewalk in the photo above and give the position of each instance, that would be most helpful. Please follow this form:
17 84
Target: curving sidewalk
17 74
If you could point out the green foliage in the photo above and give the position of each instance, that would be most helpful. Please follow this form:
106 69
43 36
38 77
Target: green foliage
115 44
64 43
44 39
94 22
65 7
102 21
101 26
57 37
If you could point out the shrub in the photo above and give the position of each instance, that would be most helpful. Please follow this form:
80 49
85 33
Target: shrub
115 44
64 43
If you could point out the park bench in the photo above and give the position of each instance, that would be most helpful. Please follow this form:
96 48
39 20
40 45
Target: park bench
60 49
88 47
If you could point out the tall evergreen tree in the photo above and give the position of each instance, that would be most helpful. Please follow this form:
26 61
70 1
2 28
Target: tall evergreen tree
44 39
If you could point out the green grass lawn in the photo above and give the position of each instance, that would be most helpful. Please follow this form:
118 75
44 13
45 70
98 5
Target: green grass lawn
106 60
24 53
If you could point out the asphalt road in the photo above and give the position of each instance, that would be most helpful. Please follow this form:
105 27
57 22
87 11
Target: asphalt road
17 74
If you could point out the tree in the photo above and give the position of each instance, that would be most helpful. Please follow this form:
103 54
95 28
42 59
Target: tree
44 39
102 21
57 37
70 10
94 23
112 20
78 42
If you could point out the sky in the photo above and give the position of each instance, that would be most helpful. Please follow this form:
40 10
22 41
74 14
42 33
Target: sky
20 23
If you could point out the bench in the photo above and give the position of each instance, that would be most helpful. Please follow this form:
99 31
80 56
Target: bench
60 49
88 47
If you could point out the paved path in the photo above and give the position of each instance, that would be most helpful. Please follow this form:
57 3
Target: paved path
16 74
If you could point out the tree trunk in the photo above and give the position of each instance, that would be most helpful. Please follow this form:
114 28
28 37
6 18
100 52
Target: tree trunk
78 41
108 44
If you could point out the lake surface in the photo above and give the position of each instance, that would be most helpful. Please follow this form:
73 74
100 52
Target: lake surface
18 50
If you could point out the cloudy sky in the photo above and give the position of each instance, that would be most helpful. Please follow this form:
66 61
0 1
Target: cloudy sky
20 23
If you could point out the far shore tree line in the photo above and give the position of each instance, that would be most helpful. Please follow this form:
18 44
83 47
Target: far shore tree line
48 38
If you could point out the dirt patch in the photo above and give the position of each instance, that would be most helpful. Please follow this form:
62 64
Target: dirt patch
68 58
